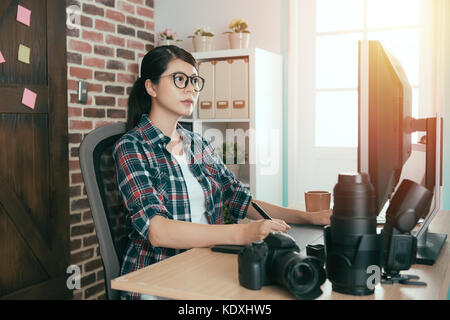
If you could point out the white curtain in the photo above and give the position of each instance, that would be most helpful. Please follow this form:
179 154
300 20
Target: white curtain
442 84
441 41
436 96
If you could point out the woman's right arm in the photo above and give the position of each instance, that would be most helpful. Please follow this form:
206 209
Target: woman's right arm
149 215
185 235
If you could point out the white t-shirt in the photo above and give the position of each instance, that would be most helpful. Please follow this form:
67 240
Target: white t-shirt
195 192
196 201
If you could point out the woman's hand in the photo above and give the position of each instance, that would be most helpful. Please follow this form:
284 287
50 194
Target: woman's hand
260 229
320 217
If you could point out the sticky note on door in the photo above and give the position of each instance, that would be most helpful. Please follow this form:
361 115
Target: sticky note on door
29 98
24 54
1 58
23 15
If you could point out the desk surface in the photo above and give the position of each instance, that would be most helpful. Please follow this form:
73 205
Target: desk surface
202 274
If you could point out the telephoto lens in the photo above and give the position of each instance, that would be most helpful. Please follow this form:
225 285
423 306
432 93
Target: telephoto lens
352 244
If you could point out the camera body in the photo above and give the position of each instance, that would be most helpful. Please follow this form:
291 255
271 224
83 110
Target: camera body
400 253
277 260
410 202
255 260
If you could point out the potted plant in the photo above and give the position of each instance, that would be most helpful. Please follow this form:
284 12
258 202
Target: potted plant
227 216
202 39
239 36
236 158
233 156
167 37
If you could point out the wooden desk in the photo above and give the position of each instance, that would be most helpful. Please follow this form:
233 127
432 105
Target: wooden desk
205 275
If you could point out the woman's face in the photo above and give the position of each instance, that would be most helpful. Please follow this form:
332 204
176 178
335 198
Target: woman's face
169 97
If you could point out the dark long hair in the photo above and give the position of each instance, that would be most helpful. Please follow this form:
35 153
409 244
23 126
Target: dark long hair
153 65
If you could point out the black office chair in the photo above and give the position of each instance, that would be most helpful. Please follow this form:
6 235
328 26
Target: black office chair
97 168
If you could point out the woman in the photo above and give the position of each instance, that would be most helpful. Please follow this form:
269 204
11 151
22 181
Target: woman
173 184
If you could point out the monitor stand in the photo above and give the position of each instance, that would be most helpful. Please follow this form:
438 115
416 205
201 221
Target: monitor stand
429 246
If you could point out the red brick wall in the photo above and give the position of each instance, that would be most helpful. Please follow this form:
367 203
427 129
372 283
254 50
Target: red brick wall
103 49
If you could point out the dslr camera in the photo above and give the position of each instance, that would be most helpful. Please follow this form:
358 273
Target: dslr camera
277 260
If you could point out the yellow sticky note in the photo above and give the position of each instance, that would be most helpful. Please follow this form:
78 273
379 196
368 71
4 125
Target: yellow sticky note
24 54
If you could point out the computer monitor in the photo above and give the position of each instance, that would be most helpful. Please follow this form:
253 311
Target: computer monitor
385 107
385 127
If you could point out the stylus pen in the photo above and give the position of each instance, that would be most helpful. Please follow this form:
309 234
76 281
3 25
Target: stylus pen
261 211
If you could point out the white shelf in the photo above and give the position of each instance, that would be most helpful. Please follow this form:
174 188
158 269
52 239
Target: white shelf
214 120
223 53
263 126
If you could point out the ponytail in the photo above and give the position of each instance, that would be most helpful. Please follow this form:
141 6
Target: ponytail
139 103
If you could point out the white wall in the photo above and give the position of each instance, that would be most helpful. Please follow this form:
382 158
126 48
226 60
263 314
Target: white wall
184 16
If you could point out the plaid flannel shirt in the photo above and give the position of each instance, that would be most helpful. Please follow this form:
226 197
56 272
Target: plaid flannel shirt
151 183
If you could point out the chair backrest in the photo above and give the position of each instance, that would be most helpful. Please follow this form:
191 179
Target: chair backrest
97 168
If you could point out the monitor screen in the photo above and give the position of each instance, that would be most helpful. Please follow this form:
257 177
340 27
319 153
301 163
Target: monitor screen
385 108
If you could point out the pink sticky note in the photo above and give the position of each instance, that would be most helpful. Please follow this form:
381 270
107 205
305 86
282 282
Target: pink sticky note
23 15
1 58
29 98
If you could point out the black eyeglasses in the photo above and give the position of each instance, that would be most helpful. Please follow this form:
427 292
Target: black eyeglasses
181 80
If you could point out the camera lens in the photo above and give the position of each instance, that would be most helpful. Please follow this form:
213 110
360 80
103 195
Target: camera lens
351 241
354 204
301 276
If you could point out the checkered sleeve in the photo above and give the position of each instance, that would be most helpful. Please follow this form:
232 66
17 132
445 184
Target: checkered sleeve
235 195
136 182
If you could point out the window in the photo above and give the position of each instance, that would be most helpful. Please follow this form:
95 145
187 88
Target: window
339 26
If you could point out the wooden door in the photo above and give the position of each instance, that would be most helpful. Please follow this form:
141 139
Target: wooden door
34 186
